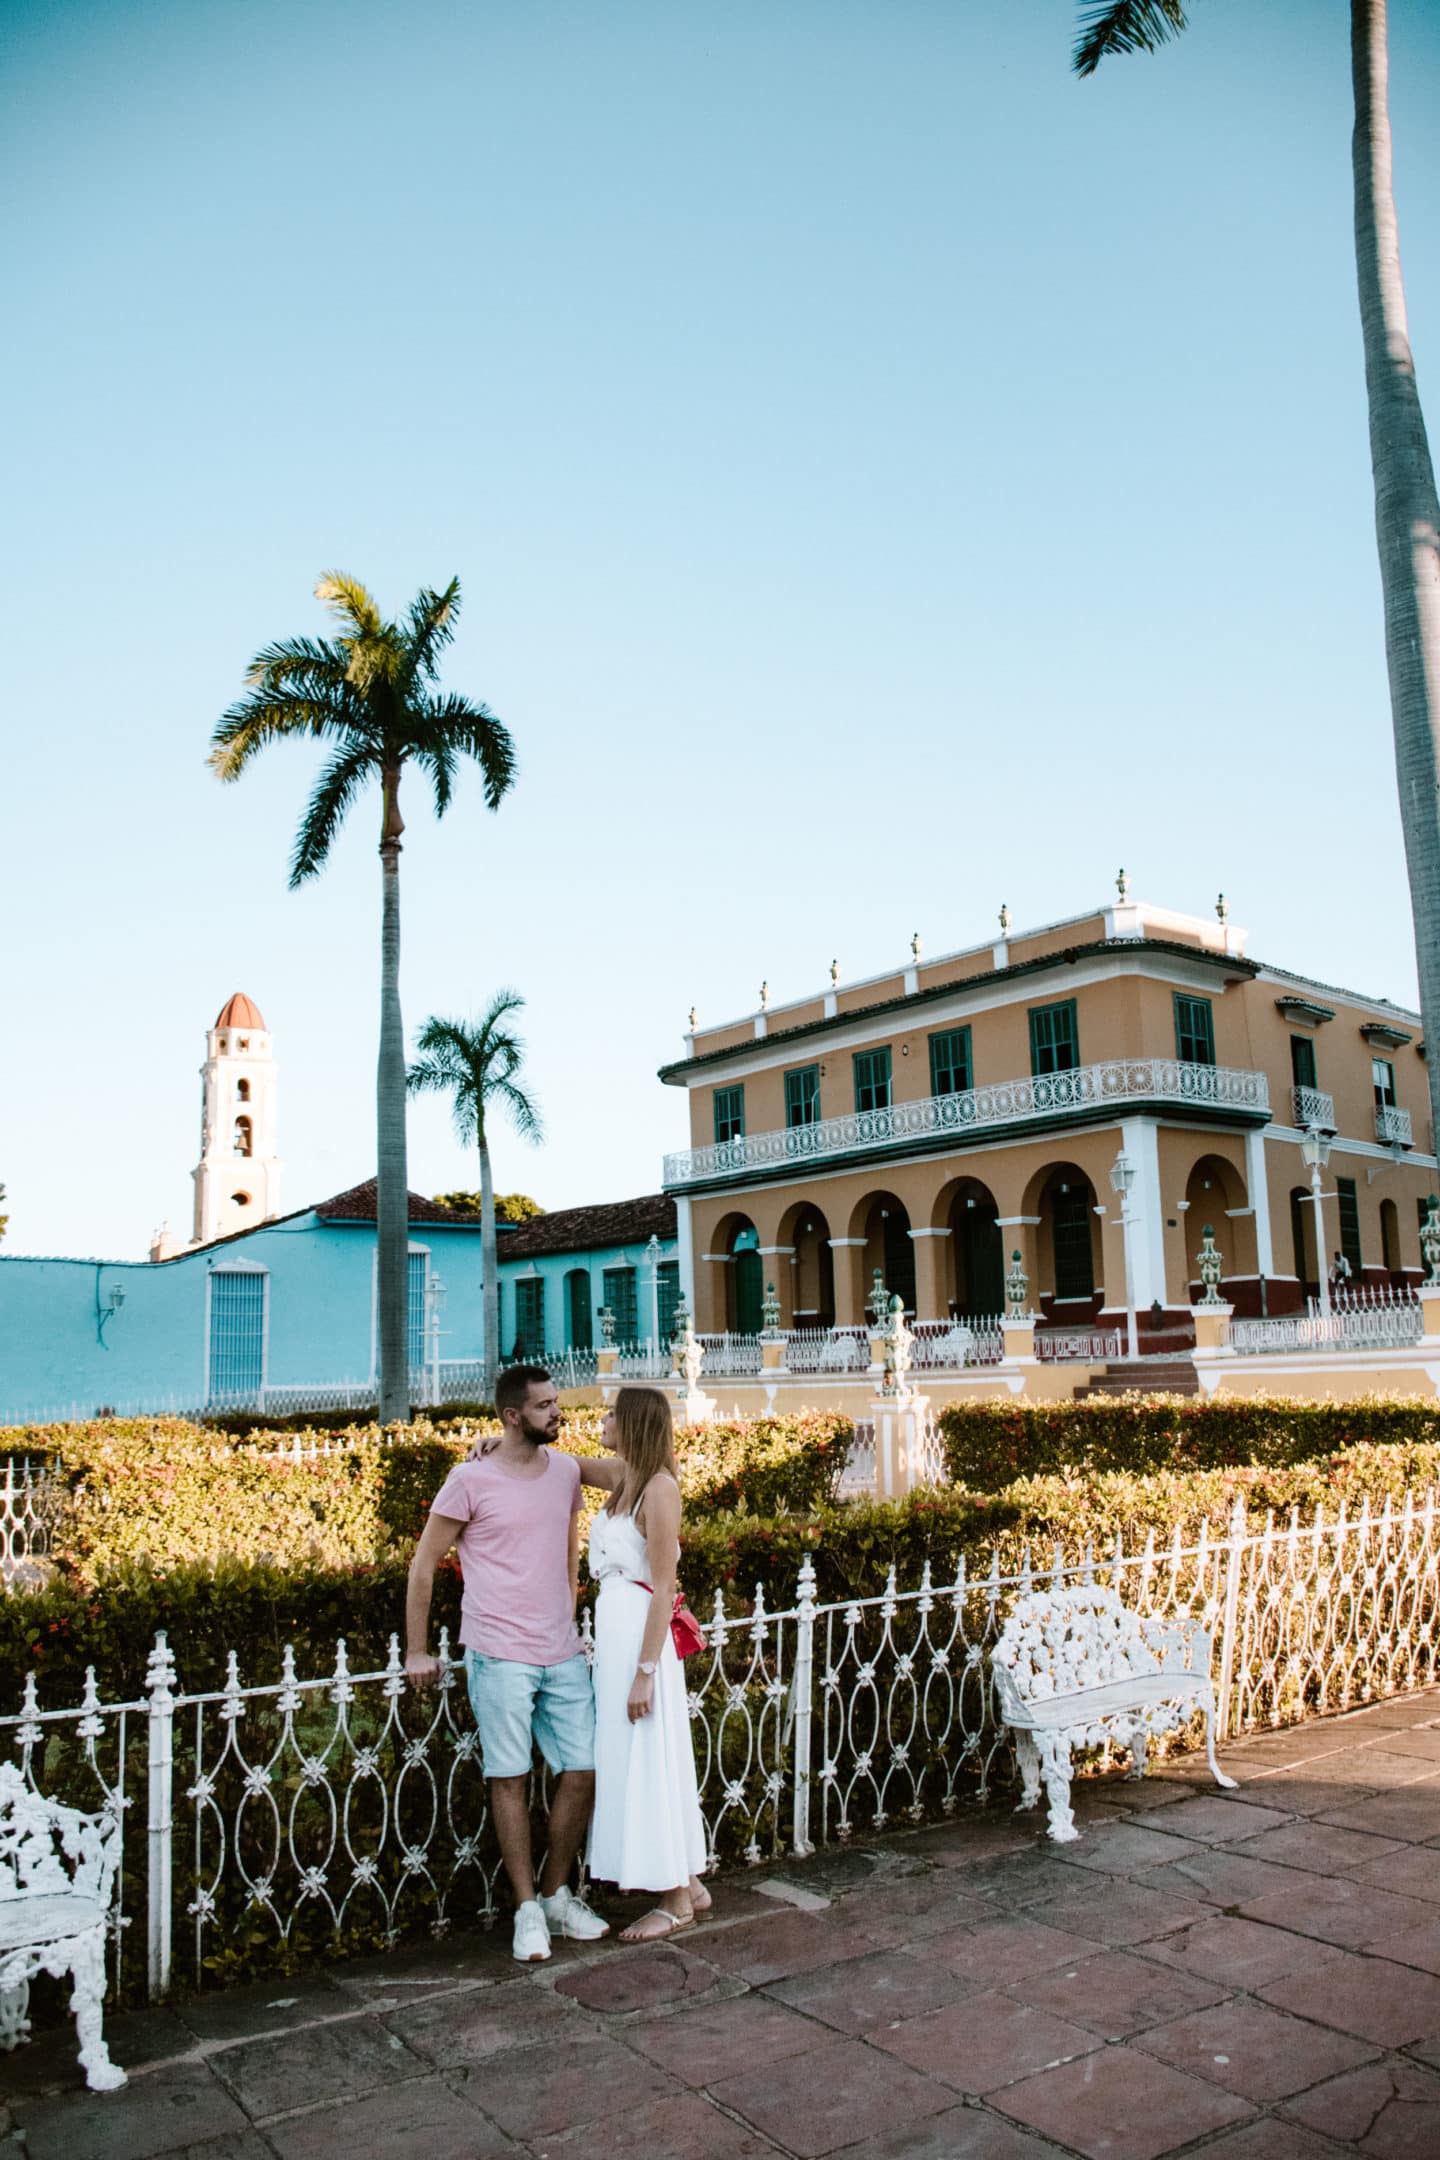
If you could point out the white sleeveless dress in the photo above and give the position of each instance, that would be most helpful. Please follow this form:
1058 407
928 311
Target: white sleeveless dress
647 1832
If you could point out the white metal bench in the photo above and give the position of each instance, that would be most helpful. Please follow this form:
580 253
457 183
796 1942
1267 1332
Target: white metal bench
57 1871
1076 1668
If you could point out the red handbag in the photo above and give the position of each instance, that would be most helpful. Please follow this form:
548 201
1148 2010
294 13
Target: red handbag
685 1630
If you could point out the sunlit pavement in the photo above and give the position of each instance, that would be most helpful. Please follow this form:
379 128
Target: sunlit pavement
1251 1975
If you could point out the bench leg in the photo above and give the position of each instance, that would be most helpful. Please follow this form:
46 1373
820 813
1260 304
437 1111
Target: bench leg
14 2015
1139 1752
1028 1756
1055 1761
1215 1771
86 1997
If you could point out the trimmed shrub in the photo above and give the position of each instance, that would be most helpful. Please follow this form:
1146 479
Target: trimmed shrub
988 1445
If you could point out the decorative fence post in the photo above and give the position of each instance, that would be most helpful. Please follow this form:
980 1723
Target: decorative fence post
160 1686
802 1690
1230 1617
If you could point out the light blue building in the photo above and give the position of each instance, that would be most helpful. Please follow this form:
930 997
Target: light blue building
283 1316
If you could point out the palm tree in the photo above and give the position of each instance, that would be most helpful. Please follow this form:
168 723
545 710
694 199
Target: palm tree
477 1063
1407 509
369 692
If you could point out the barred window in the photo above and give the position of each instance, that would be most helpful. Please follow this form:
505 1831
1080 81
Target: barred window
237 1332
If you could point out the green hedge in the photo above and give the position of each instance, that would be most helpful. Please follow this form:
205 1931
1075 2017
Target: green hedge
987 1445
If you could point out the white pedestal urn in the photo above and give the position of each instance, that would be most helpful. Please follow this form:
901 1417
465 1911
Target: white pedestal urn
687 1358
902 1416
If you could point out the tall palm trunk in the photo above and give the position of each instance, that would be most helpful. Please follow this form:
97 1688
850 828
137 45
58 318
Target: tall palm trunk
392 1206
1407 513
489 1261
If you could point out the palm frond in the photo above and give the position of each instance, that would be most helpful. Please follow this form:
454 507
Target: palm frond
523 1110
1124 26
268 716
350 604
438 759
476 1061
474 730
325 813
431 626
306 662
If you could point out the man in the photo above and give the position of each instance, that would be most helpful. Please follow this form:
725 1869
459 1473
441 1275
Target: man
515 1517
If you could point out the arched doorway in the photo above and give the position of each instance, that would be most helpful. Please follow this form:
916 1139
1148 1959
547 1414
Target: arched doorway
747 1285
884 1223
1390 1236
579 1327
1215 1196
812 1273
1069 1273
979 1251
1302 1237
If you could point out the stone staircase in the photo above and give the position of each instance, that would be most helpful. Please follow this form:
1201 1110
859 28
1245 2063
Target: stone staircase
1144 1376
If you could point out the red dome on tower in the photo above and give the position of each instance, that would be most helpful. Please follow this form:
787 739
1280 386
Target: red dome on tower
241 1012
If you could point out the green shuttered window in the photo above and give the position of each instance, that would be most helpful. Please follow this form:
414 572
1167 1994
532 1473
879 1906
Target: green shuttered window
729 1114
620 1297
950 1063
1349 1206
872 1079
802 1096
237 1332
530 1318
1054 1038
1194 1030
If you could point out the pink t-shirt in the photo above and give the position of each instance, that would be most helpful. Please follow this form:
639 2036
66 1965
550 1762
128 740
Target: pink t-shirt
515 1557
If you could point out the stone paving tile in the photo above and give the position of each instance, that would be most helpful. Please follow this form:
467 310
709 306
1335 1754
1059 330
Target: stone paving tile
1271 2139
1116 1994
1004 1950
537 2092
926 1904
1126 1846
964 2133
319 2062
1375 1767
870 1992
1141 1794
1255 2052
1235 1953
420 2120
1324 1848
160 2113
1336 1909
1391 2110
1300 1795
271 2007
1419 1947
638 1981
473 2025
49 2062
1408 1870
985 2042
1120 2105
1410 1812
831 2097
1224 1875
230 2145
961 1843
1421 1740
411 1972
689 2127
1392 2005
1119 1913
759 1951
1024 1879
716 2040
1215 1819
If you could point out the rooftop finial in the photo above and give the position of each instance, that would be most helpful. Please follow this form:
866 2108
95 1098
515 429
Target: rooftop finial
1004 918
764 997
1222 907
834 974
915 946
1122 886
692 1019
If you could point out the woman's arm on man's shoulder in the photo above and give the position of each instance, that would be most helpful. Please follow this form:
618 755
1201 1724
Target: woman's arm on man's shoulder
605 1471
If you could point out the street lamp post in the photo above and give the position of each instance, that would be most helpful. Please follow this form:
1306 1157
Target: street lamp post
434 1298
1316 1150
1122 1177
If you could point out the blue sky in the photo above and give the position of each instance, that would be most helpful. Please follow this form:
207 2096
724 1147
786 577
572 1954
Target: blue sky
887 477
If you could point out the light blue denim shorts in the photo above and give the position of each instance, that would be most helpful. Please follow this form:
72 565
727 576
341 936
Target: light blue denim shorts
518 1707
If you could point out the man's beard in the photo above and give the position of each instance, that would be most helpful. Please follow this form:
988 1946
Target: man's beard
537 1436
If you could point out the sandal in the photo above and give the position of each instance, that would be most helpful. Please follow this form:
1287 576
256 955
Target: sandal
673 1925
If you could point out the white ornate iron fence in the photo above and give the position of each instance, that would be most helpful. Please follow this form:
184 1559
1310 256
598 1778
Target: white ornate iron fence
1118 1083
827 1350
951 1345
32 1499
328 1810
1077 1345
1393 1127
730 1357
1312 1106
1383 1325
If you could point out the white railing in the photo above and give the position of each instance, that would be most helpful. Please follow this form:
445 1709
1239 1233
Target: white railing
32 1498
312 1805
1097 1345
1312 1106
951 1345
573 1368
1359 1320
730 1357
835 1351
1118 1084
1392 1127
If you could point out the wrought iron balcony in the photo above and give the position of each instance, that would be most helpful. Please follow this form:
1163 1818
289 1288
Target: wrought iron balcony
1392 1127
981 1113
1309 1106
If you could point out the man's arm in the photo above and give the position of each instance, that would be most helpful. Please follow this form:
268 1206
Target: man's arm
575 1559
436 1539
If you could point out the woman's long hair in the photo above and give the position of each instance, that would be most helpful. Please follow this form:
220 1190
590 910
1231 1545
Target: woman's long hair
646 1440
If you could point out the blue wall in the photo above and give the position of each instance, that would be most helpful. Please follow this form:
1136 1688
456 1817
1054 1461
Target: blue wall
320 1314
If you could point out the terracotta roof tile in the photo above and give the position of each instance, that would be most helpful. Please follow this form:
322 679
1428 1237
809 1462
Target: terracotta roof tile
582 1229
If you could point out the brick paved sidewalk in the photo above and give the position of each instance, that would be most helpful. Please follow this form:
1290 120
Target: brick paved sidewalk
1252 1976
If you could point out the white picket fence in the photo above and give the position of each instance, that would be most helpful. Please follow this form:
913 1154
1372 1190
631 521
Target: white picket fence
344 1803
1360 1319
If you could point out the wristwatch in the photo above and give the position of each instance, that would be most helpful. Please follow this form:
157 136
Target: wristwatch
648 1670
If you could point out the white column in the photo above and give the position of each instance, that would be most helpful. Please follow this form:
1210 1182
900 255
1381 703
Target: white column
685 1251
1257 1191
1140 1141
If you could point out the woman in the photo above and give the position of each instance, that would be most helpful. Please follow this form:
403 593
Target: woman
647 1832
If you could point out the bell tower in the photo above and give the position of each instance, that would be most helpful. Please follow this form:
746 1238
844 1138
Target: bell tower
237 1179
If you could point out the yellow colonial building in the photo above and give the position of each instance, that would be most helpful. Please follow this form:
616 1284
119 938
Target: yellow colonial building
1091 1094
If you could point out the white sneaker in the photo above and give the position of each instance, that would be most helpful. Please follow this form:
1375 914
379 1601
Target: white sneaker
568 1915
531 1942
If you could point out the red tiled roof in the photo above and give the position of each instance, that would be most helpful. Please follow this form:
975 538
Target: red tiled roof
582 1229
358 1205
241 1011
